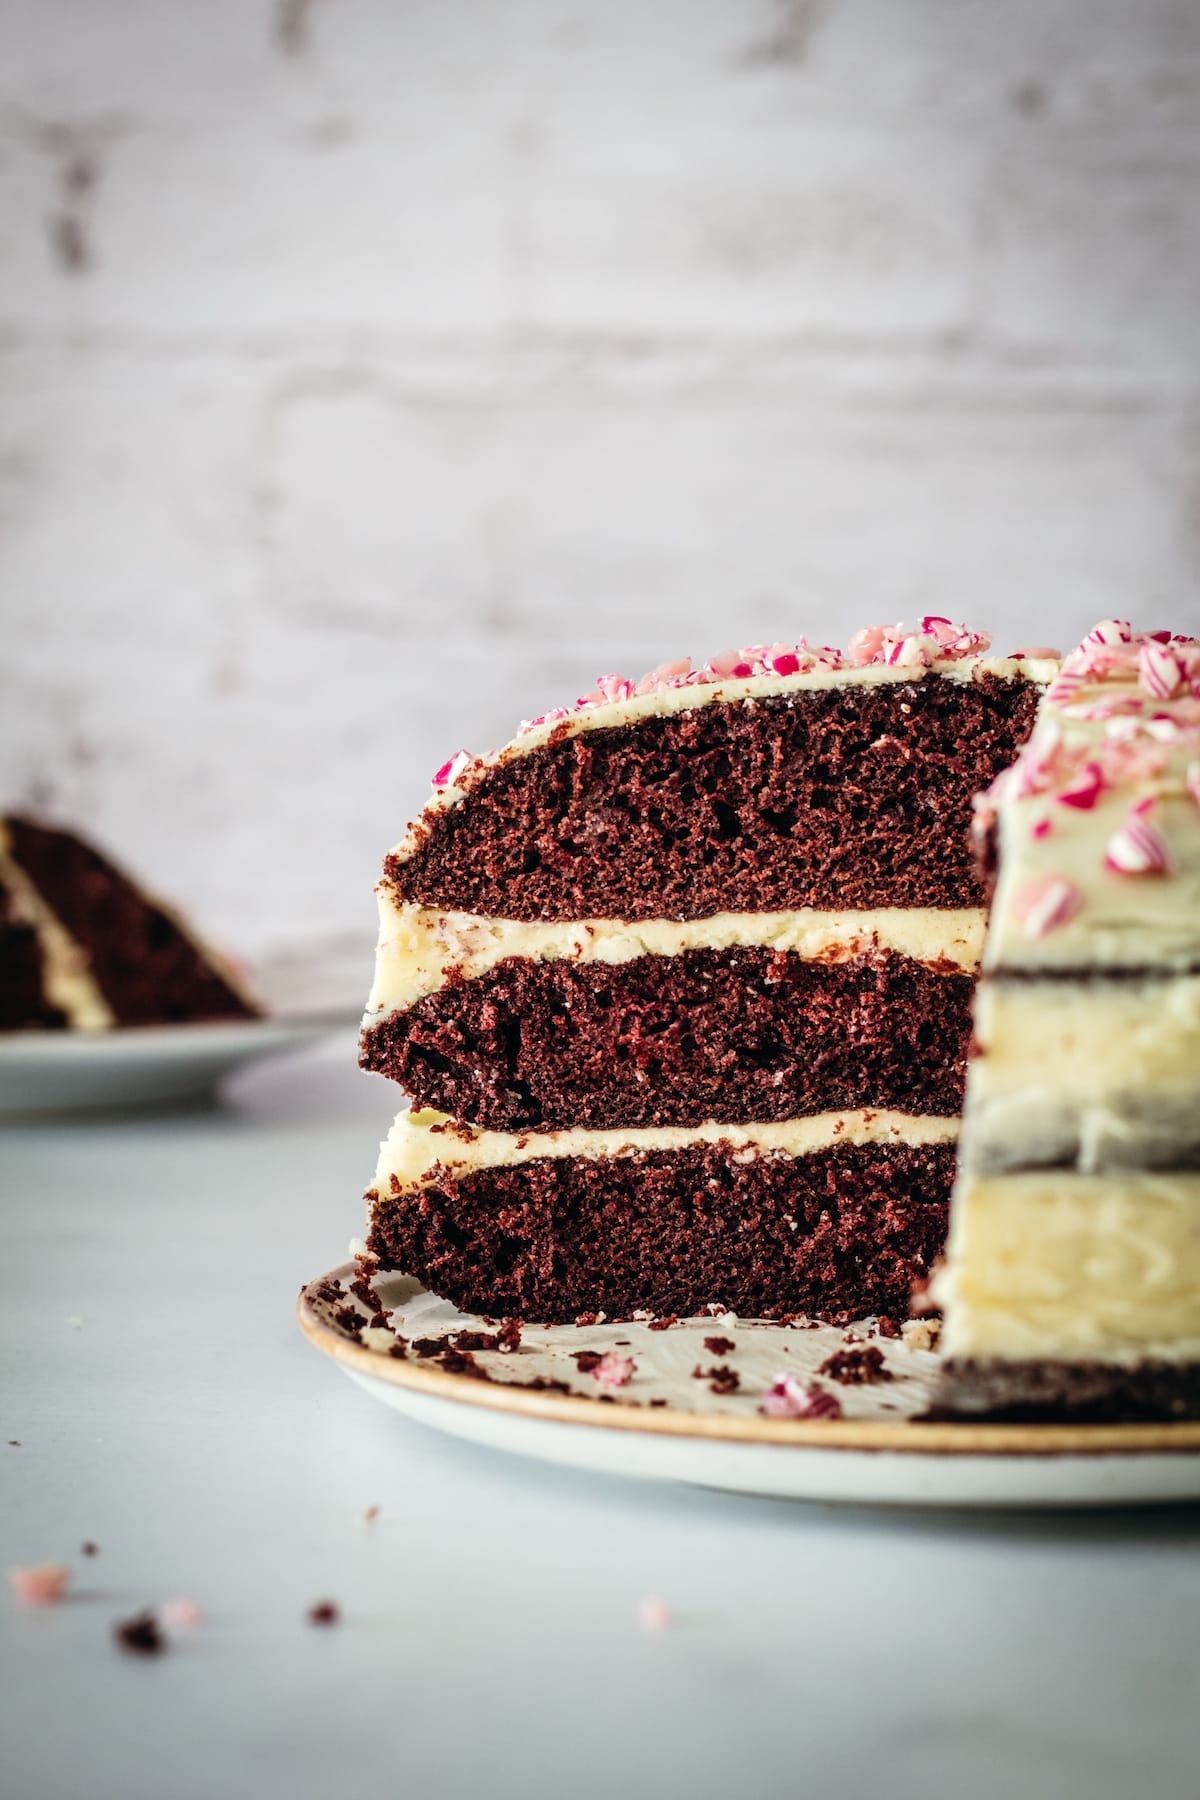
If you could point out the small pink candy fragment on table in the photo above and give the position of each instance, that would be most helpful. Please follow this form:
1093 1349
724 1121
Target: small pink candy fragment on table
613 1371
787 1398
1137 848
654 1615
1043 905
40 1584
181 1615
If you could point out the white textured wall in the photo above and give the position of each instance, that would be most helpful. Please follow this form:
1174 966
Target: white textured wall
373 372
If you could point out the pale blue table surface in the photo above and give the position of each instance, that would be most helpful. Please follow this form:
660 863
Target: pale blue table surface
168 1409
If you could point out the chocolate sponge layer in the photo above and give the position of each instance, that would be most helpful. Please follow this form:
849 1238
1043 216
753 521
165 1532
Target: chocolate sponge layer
745 1034
841 1232
1083 1392
852 797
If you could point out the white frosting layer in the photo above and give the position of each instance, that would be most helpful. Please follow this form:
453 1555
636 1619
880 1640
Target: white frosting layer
420 1142
1045 1265
1101 1072
730 692
67 980
1122 921
419 945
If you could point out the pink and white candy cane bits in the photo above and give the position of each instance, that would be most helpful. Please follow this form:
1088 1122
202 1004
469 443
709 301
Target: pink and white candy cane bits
1138 847
1160 670
40 1584
1085 788
787 1398
614 1371
450 771
1046 903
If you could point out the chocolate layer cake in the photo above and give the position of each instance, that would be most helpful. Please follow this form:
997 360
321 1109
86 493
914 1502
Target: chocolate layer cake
718 900
837 1214
82 948
1072 1280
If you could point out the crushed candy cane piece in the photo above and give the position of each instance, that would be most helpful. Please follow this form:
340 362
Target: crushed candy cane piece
1085 789
613 1371
181 1615
1137 848
1045 904
654 1614
1159 670
450 771
1108 633
40 1584
787 1398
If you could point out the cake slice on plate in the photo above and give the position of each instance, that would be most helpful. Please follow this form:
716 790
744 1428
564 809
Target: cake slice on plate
82 948
1072 1280
684 975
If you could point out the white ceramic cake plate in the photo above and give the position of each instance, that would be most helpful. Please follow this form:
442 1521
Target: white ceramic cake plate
880 1452
48 1072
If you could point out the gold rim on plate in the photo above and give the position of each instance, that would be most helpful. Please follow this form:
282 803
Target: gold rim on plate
912 1435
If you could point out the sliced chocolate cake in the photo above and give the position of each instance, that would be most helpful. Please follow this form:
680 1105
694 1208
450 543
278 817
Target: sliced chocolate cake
1072 1279
692 966
82 948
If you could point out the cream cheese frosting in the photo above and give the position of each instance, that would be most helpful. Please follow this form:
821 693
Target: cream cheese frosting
420 945
420 1143
1094 1074
1075 1218
1098 820
1047 1265
67 979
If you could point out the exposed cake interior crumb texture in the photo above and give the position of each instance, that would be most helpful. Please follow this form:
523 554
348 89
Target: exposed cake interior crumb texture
735 1034
856 796
843 1231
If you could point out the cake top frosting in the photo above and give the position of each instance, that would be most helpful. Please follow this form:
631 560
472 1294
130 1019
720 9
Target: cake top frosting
1099 817
878 653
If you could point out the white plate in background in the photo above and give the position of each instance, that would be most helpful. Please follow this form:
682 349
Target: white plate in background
131 1066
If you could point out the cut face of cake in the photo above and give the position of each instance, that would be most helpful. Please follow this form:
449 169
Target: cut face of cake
1072 1279
714 903
837 1213
82 948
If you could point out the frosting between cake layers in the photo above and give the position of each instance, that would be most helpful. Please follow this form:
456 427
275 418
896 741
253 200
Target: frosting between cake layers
419 945
420 1143
463 771
67 980
1047 1265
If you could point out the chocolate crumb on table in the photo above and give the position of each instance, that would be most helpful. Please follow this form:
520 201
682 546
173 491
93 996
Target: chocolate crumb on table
141 1635
325 1612
856 1367
89 1549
